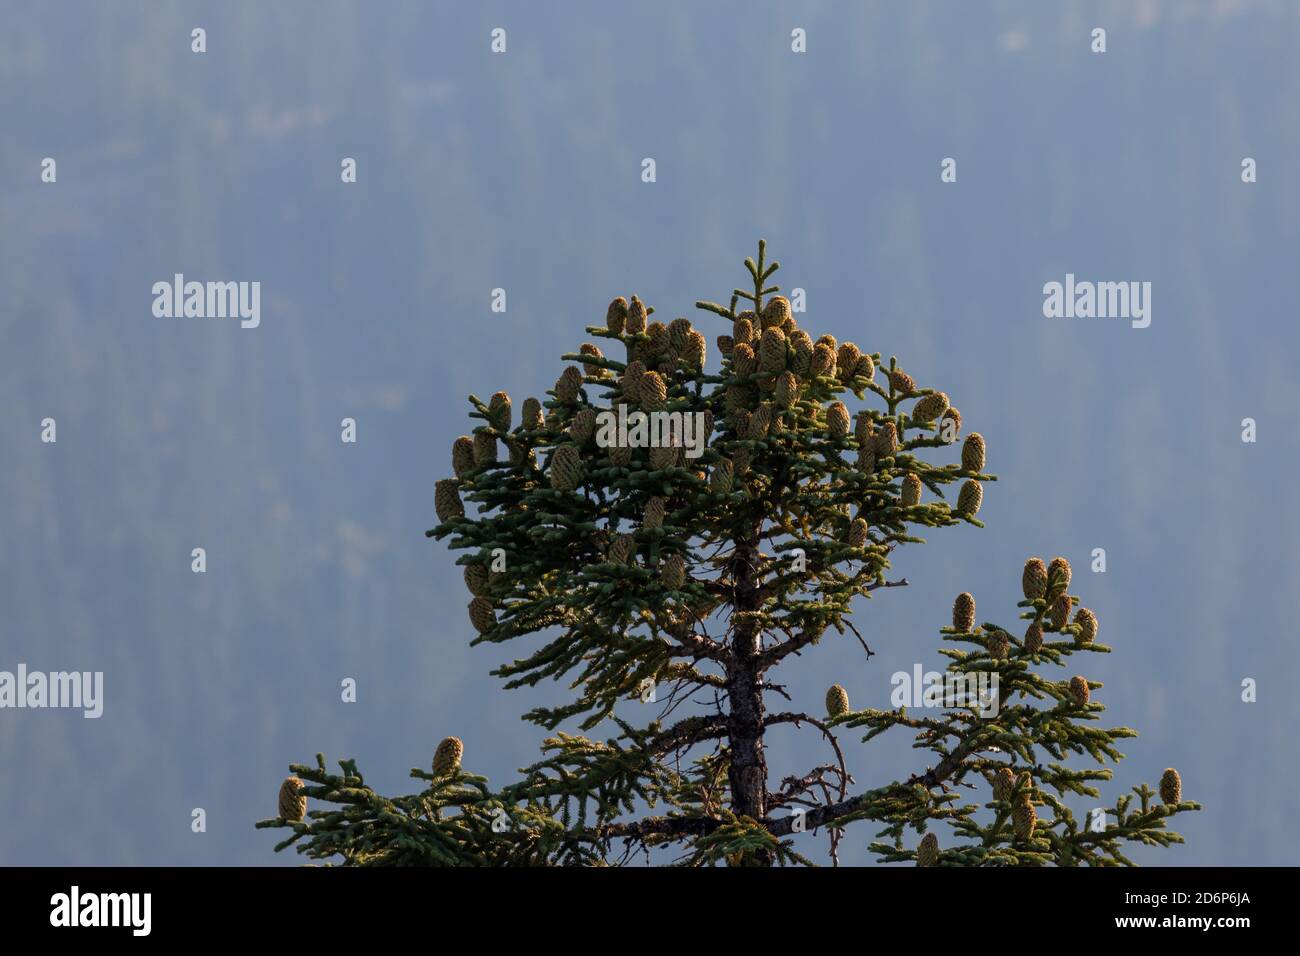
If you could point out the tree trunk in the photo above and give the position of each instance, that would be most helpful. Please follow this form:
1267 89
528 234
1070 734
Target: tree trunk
748 770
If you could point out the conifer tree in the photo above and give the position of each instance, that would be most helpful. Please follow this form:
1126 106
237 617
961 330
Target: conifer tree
690 580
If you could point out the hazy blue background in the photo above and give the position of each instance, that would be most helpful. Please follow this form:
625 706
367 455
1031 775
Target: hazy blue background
523 171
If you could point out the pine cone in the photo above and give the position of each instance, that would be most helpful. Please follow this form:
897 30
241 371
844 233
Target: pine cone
446 759
583 426
1024 818
998 645
743 362
631 383
901 382
532 414
1087 622
823 361
1058 576
771 351
720 479
620 456
634 323
654 513
293 801
912 490
740 461
622 549
482 615
858 533
567 385
462 456
927 852
970 497
737 397
760 422
566 468
1171 787
837 701
446 500
696 351
863 429
616 315
866 368
929 407
955 417
972 453
777 312
1079 691
846 361
672 572
1059 612
743 329
963 613
837 419
499 411
485 449
725 345
593 371
1034 638
787 389
679 333
1034 580
887 440
867 458
659 339
664 456
1004 784
476 579
653 392
802 343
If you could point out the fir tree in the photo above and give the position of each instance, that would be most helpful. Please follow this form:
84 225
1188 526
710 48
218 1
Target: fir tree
700 577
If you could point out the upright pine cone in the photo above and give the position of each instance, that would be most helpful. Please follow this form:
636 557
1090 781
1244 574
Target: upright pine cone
858 533
583 426
803 353
787 389
720 479
293 801
901 382
777 314
653 392
631 382
1034 580
954 416
963 613
620 455
887 440
725 345
1004 784
566 468
679 332
532 414
760 422
1079 691
1058 576
1087 622
1171 787
446 759
634 323
664 456
927 852
863 429
659 339
672 572
622 549
837 419
743 361
1034 638
837 701
482 615
567 385
866 368
972 453
867 457
970 498
771 351
499 411
998 645
654 513
446 500
476 579
929 407
743 330
823 360
1059 613
1023 818
593 350
485 449
846 361
615 315
462 456
696 351
912 490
